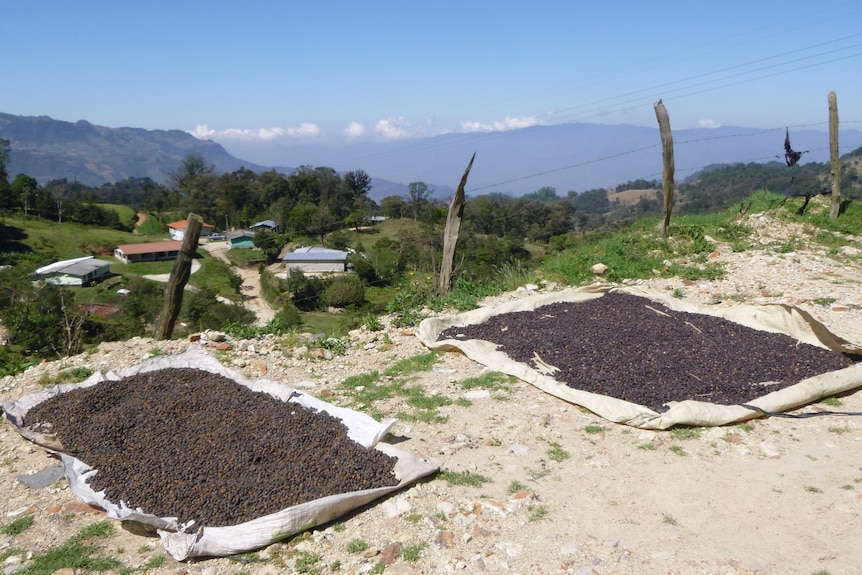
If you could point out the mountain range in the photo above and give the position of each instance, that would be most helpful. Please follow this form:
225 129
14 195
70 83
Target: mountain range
567 157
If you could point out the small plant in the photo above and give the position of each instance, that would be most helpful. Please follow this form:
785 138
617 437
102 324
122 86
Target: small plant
685 433
831 401
372 323
649 446
489 380
155 562
537 513
812 489
557 453
339 527
593 428
306 562
677 293
668 519
413 518
77 553
463 478
357 546
378 569
839 430
823 301
412 553
515 487
18 526
412 365
678 450
333 344
536 474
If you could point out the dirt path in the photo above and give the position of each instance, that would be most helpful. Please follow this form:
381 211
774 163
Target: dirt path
250 289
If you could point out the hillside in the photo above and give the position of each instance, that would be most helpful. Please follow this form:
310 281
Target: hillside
529 483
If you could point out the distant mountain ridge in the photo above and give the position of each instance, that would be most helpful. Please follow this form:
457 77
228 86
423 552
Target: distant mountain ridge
568 157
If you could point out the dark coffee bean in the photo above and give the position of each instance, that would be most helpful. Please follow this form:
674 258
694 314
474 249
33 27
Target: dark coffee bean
191 444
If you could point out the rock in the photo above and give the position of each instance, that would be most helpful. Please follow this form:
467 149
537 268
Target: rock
394 507
598 269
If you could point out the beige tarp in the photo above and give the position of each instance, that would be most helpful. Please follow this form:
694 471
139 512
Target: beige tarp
186 541
784 319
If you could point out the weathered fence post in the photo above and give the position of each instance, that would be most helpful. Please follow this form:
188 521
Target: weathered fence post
178 279
450 234
835 174
667 156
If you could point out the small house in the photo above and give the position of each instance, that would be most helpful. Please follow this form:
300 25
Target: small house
240 239
265 225
148 252
178 230
75 272
312 259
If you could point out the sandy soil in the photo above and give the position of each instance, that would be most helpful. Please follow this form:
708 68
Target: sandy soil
564 491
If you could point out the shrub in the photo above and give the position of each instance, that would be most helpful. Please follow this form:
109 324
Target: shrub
344 291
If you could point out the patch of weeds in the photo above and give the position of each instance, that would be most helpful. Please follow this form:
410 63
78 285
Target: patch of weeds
821 572
495 442
823 301
669 519
306 562
678 450
812 489
677 293
411 365
155 562
18 526
378 569
144 549
536 474
493 380
463 402
537 513
746 427
73 375
463 478
333 344
831 401
838 430
557 453
335 566
357 546
157 352
339 527
372 323
649 446
4 555
593 428
77 553
847 487
413 518
685 433
246 558
412 553
515 487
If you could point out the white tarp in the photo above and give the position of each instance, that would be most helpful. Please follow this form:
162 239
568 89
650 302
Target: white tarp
183 542
776 318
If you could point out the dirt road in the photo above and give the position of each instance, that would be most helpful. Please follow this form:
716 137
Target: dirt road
250 289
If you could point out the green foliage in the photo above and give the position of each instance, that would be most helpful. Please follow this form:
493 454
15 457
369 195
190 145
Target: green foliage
412 553
413 364
18 526
78 553
463 478
344 291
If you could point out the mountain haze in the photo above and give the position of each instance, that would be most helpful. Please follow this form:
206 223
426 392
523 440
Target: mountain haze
567 157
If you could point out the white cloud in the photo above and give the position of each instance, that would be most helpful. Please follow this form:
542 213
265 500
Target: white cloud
396 128
508 123
305 130
354 130
708 124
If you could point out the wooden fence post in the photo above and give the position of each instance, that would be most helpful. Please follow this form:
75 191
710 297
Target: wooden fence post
178 279
450 234
835 174
667 155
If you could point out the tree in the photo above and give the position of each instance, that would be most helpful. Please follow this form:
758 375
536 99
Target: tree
5 146
419 196
358 184
392 206
194 183
23 190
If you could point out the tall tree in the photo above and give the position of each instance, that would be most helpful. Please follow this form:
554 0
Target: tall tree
194 182
5 147
419 196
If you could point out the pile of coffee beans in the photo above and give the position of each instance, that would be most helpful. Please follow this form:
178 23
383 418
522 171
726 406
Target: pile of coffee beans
187 443
620 346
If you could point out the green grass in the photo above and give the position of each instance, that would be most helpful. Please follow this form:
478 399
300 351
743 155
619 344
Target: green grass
18 526
356 546
685 433
463 478
492 380
411 365
557 453
412 553
593 428
79 553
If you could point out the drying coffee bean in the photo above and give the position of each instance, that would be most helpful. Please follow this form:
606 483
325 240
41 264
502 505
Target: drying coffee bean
191 444
618 345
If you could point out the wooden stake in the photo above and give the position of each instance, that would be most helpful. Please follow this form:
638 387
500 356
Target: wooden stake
178 279
667 155
450 234
835 173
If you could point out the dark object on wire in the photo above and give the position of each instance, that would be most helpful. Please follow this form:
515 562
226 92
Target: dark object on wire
790 157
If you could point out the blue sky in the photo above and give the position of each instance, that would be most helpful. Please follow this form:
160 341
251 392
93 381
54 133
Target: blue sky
334 72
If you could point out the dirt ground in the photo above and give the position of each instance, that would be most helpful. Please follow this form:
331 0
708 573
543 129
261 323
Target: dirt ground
546 487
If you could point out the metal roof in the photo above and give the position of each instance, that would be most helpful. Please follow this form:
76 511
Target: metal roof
76 267
315 254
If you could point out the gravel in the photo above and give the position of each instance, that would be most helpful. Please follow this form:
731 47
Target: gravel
631 348
195 445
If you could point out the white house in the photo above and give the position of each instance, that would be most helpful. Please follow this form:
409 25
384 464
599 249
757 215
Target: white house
178 229
75 272
312 259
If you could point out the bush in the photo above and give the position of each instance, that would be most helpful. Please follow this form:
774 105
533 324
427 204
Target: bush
345 291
